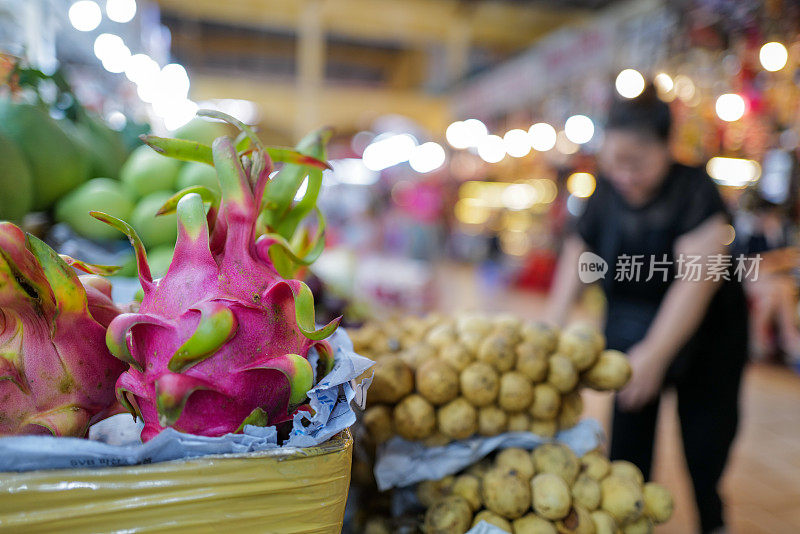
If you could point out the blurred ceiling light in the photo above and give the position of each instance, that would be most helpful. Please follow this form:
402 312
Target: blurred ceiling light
474 132
489 194
116 59
575 205
517 143
734 172
581 184
147 90
121 10
564 145
542 136
515 243
140 68
388 151
579 129
353 171
360 141
471 211
663 82
518 221
116 120
179 113
244 110
730 235
105 44
684 87
426 157
519 196
85 15
546 190
630 83
491 149
174 80
456 135
730 107
773 56
664 86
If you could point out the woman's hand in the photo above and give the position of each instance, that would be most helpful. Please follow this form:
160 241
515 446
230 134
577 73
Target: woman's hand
648 371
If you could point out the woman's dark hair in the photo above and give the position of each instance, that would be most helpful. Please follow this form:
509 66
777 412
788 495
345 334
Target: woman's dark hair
646 114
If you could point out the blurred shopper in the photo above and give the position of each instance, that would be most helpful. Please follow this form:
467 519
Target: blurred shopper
677 331
773 295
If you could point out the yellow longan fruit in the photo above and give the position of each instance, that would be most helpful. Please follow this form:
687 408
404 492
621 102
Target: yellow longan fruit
551 497
658 504
458 419
414 418
518 460
498 351
491 421
493 519
437 381
392 381
516 392
562 373
448 516
532 362
546 402
506 494
457 356
558 459
480 383
378 422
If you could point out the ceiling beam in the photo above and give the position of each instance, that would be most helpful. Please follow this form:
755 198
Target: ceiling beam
411 22
348 108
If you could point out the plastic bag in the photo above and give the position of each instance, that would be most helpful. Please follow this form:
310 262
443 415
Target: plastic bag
402 463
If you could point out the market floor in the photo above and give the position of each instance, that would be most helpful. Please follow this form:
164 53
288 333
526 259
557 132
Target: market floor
762 484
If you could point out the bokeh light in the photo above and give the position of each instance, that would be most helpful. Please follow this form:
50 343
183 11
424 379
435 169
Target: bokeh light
629 83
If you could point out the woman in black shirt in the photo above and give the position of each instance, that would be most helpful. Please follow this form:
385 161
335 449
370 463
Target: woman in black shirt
675 304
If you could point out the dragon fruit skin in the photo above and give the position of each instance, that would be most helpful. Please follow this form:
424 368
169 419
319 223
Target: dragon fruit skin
221 340
56 374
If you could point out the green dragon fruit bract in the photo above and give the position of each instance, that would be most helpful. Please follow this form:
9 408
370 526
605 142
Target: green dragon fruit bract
56 374
221 341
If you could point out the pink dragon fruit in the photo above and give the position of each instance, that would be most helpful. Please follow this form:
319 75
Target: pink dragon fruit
56 374
222 339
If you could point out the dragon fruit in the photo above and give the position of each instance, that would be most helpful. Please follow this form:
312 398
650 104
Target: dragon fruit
222 339
56 374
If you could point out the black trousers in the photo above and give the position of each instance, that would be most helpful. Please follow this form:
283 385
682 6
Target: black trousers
707 377
709 416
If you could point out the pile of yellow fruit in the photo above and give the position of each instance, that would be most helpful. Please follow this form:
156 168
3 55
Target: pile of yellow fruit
438 379
546 491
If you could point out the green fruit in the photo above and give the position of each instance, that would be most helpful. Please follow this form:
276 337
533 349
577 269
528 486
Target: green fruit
99 194
102 145
159 259
127 267
146 171
201 131
194 173
58 165
110 142
16 182
95 153
154 230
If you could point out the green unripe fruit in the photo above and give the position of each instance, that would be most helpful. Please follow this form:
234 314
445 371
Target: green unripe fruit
155 230
146 171
194 173
99 194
